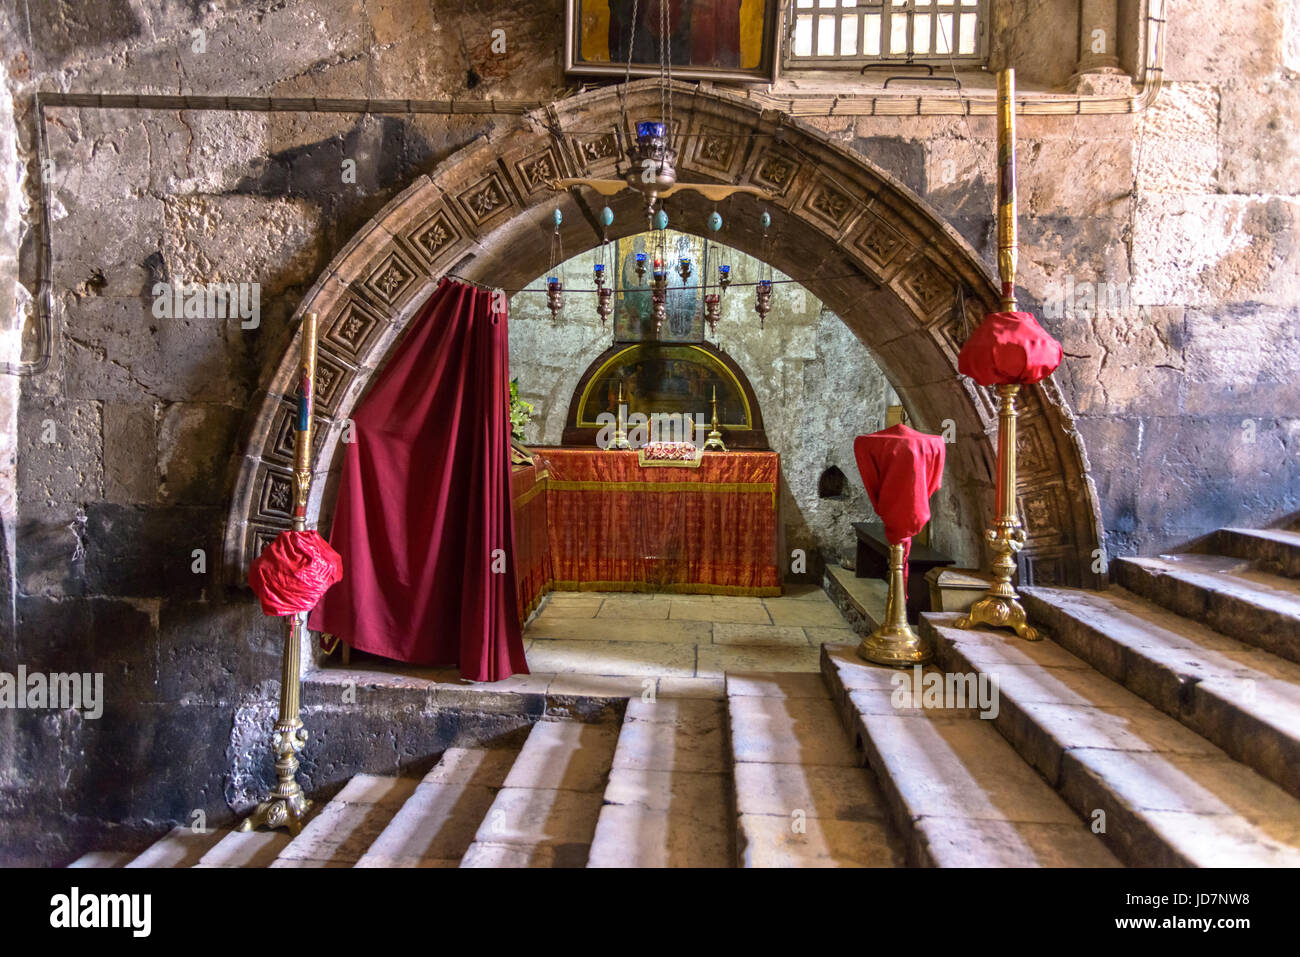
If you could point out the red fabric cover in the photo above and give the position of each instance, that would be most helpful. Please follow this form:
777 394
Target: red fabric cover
901 469
618 526
532 538
424 501
1007 348
293 572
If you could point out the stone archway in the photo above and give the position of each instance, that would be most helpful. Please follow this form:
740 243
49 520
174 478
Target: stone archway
865 244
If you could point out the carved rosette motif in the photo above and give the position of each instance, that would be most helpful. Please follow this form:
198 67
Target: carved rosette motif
880 242
927 285
830 204
434 237
351 330
537 170
487 200
775 172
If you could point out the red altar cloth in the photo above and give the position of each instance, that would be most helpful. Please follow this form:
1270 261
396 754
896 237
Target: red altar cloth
532 538
618 526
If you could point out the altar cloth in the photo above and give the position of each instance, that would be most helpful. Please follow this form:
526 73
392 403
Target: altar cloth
616 526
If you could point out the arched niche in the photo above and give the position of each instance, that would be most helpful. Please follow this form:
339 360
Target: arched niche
870 249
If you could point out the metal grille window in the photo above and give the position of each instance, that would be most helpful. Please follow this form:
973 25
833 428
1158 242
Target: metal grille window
862 31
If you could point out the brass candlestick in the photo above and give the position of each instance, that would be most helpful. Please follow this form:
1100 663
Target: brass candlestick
1000 605
288 805
894 643
620 432
714 442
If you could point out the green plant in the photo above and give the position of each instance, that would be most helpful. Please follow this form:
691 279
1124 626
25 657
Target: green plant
521 412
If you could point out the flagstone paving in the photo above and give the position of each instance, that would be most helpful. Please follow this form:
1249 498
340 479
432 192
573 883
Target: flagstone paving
682 636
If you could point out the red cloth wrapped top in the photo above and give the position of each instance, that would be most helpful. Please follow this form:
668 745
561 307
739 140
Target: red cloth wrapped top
1007 348
293 572
901 469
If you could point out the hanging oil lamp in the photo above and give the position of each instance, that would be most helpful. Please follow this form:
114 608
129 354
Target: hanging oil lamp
659 293
712 312
684 268
554 284
554 296
604 295
713 300
659 273
640 267
763 289
763 300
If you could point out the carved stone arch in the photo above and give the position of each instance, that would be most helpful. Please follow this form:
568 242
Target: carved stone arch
866 245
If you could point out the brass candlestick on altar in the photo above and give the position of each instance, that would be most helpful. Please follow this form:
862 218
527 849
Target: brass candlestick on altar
288 805
1000 605
714 441
894 643
620 432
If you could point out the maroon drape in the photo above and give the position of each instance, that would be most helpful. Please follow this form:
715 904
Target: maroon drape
424 500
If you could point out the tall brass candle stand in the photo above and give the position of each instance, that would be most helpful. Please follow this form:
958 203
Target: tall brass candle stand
619 442
714 441
894 643
1000 605
288 805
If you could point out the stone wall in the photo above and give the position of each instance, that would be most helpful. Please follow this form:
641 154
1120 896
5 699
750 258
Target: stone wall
1187 398
817 386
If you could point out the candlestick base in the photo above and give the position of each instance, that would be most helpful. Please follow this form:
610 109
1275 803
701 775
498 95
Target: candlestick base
897 646
714 442
287 806
278 812
1000 611
894 643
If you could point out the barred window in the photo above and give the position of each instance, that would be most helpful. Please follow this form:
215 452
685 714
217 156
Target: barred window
853 32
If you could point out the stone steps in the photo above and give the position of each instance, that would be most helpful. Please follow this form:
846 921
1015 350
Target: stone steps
1243 699
544 814
98 859
180 847
1273 550
1162 795
667 800
1227 594
955 790
437 823
803 796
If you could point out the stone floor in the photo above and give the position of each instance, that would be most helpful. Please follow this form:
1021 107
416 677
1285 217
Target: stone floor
612 643
682 636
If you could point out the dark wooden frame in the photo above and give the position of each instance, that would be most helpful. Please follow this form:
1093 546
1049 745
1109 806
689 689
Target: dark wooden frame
765 72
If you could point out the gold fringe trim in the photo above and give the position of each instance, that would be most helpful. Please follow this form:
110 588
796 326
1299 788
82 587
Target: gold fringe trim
680 588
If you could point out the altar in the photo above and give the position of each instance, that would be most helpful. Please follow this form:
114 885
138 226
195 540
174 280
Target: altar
612 524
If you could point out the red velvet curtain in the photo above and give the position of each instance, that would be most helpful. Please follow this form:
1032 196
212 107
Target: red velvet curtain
424 502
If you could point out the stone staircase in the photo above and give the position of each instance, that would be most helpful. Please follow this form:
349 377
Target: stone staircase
1159 725
1161 719
660 788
